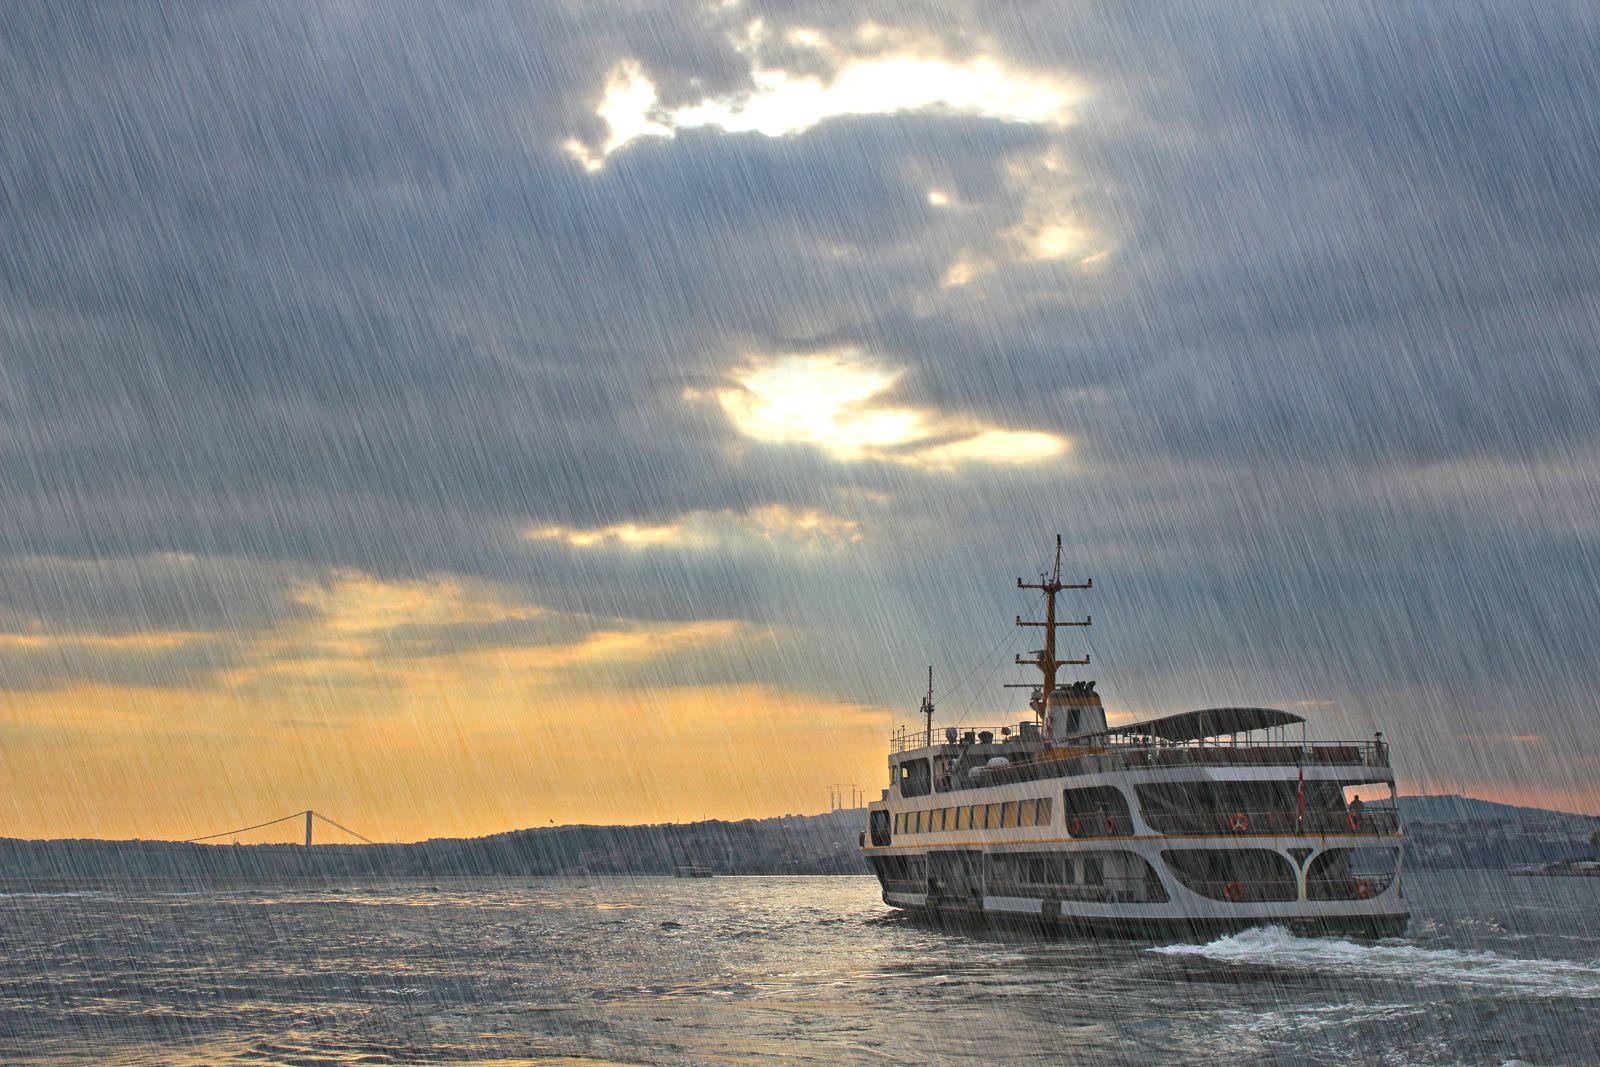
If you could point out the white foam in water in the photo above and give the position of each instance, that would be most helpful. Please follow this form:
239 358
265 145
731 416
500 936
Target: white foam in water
1276 947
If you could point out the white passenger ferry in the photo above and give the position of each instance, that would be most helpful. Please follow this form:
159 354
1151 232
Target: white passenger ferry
1202 821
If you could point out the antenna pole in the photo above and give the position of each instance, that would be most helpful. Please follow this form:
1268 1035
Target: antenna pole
1045 659
927 712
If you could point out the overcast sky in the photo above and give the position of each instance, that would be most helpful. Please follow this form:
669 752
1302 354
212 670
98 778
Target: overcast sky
463 416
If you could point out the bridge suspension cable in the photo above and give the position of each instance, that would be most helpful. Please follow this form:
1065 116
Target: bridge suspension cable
346 829
244 829
307 815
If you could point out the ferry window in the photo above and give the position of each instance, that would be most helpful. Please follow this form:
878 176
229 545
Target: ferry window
991 817
915 778
1094 871
1100 811
1069 871
974 817
944 814
1027 812
1044 812
1008 814
961 818
920 823
898 826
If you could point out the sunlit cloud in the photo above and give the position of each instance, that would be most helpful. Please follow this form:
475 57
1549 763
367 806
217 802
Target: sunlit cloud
782 103
352 602
963 271
839 402
1051 227
810 529
72 643
625 534
358 632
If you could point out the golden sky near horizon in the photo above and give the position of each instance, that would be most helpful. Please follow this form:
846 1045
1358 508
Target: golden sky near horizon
388 707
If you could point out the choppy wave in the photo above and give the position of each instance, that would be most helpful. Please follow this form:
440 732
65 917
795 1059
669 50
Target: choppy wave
1273 946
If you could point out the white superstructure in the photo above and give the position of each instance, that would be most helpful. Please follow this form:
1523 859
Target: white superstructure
1206 820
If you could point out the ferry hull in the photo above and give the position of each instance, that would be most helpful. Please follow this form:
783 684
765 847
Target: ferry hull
1372 926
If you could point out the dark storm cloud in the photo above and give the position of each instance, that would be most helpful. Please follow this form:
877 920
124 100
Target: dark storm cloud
308 286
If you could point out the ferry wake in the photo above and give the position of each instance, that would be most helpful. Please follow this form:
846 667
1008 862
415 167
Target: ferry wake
1204 821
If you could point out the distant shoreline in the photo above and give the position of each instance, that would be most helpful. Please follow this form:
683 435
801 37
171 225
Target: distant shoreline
1445 831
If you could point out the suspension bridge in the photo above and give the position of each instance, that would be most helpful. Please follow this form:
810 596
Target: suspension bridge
310 817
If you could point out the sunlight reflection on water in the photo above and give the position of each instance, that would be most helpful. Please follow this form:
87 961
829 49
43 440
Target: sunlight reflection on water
802 970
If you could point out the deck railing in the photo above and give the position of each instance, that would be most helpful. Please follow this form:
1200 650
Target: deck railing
1375 821
1120 754
906 739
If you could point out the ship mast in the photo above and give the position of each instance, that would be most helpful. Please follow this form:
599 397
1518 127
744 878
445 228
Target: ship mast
1046 659
927 711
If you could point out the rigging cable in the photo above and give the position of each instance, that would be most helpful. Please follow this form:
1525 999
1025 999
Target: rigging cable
1012 635
1009 635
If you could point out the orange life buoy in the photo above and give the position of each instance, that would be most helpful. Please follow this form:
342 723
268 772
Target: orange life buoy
1363 889
1240 822
1234 892
1077 826
1354 820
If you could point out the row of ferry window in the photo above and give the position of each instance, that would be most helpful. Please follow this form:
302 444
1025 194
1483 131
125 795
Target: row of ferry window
1012 813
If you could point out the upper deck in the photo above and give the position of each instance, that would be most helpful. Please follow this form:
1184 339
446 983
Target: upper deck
979 758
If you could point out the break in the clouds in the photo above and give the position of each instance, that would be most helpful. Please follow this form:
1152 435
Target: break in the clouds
841 403
769 525
870 71
777 340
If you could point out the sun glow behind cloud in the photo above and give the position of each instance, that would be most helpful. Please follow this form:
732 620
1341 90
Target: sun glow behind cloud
837 402
782 103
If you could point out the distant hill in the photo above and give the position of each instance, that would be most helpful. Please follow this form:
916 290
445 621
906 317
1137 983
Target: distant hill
1455 832
1452 807
792 844
1442 832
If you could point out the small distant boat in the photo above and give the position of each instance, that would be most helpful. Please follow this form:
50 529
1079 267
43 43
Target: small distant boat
691 870
1560 869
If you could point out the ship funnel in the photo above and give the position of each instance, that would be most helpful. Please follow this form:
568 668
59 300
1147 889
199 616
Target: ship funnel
1074 713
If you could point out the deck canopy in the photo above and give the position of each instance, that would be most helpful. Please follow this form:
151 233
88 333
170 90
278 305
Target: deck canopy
1209 722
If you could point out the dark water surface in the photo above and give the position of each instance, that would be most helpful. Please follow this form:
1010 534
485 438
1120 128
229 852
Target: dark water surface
741 970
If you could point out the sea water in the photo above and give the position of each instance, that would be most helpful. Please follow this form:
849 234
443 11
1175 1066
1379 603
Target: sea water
742 970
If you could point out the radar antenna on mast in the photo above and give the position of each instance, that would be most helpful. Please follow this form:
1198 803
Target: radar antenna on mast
1045 659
